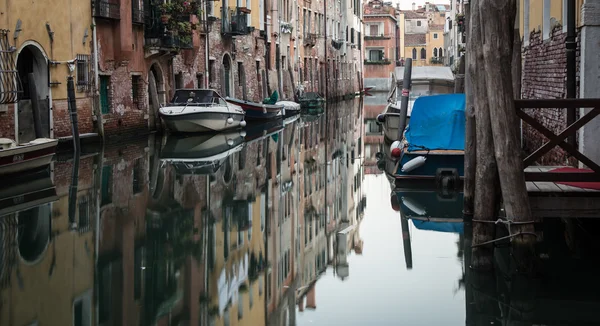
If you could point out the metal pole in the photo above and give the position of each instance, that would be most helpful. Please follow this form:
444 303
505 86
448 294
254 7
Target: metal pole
406 85
73 112
571 45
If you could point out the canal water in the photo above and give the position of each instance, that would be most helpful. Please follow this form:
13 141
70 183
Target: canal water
287 223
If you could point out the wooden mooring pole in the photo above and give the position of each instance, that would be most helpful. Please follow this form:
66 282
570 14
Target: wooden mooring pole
470 140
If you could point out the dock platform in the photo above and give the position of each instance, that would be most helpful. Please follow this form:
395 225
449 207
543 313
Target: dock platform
554 199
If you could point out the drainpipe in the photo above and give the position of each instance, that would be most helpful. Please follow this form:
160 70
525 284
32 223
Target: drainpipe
571 45
207 36
98 110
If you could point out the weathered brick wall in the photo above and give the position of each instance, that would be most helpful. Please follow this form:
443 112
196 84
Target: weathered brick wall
544 77
7 122
63 172
62 117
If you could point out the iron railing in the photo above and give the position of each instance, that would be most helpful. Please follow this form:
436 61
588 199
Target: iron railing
10 84
137 16
107 9
235 22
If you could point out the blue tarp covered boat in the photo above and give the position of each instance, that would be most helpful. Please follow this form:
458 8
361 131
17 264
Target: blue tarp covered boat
435 138
431 210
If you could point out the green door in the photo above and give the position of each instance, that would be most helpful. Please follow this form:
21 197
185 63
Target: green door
104 94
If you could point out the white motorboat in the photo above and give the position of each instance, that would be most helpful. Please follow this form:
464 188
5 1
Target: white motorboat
289 108
15 158
201 110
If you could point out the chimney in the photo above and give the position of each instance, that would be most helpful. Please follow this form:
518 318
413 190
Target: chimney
414 5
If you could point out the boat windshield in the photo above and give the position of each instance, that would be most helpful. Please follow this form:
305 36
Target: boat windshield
188 96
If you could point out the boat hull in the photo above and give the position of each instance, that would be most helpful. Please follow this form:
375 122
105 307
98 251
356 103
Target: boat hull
257 111
202 121
391 125
32 155
436 160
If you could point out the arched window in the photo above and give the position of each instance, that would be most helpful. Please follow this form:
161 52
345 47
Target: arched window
441 52
423 53
435 52
414 54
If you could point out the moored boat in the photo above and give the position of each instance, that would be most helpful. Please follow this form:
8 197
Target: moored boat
257 111
289 108
201 110
28 156
433 144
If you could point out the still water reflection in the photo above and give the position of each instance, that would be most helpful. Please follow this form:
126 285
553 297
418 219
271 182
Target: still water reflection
282 225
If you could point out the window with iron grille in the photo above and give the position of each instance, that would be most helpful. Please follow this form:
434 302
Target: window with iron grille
137 91
84 73
84 214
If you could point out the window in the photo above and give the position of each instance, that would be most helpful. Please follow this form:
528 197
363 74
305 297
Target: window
418 23
371 127
136 91
105 94
211 70
137 176
435 35
84 72
241 78
441 52
375 55
374 30
84 214
106 185
414 54
179 80
435 52
423 53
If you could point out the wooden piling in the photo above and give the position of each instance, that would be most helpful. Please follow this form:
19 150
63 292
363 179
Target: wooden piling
470 140
499 18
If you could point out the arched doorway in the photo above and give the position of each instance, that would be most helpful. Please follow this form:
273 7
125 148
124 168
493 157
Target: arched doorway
226 80
156 93
32 67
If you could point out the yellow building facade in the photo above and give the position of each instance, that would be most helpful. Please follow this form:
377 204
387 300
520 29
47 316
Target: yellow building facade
435 45
543 15
44 36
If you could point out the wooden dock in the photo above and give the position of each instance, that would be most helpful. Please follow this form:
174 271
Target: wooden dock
552 199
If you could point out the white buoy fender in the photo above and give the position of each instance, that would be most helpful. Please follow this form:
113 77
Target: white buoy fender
414 163
230 142
229 120
243 133
396 144
243 123
416 208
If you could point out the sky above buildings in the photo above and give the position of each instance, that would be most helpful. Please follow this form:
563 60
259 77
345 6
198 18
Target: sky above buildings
407 4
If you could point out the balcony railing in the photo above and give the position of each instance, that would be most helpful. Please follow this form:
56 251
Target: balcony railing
310 39
137 14
436 60
109 9
235 22
378 62
167 41
378 37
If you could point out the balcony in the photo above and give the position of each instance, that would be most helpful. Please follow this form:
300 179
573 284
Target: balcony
235 22
109 9
137 14
310 39
382 62
168 41
161 35
378 37
436 60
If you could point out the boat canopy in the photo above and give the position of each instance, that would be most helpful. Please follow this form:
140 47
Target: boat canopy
448 227
195 96
437 122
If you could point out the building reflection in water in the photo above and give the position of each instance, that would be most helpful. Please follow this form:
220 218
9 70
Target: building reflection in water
229 229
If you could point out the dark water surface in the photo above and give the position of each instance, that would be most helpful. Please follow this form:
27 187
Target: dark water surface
280 225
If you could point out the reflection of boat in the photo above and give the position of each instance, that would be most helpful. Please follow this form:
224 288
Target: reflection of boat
312 102
432 210
255 110
201 154
26 191
290 108
311 117
200 110
256 131
290 119
18 158
433 147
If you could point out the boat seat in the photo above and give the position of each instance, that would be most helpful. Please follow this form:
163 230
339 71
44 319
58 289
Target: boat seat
6 143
